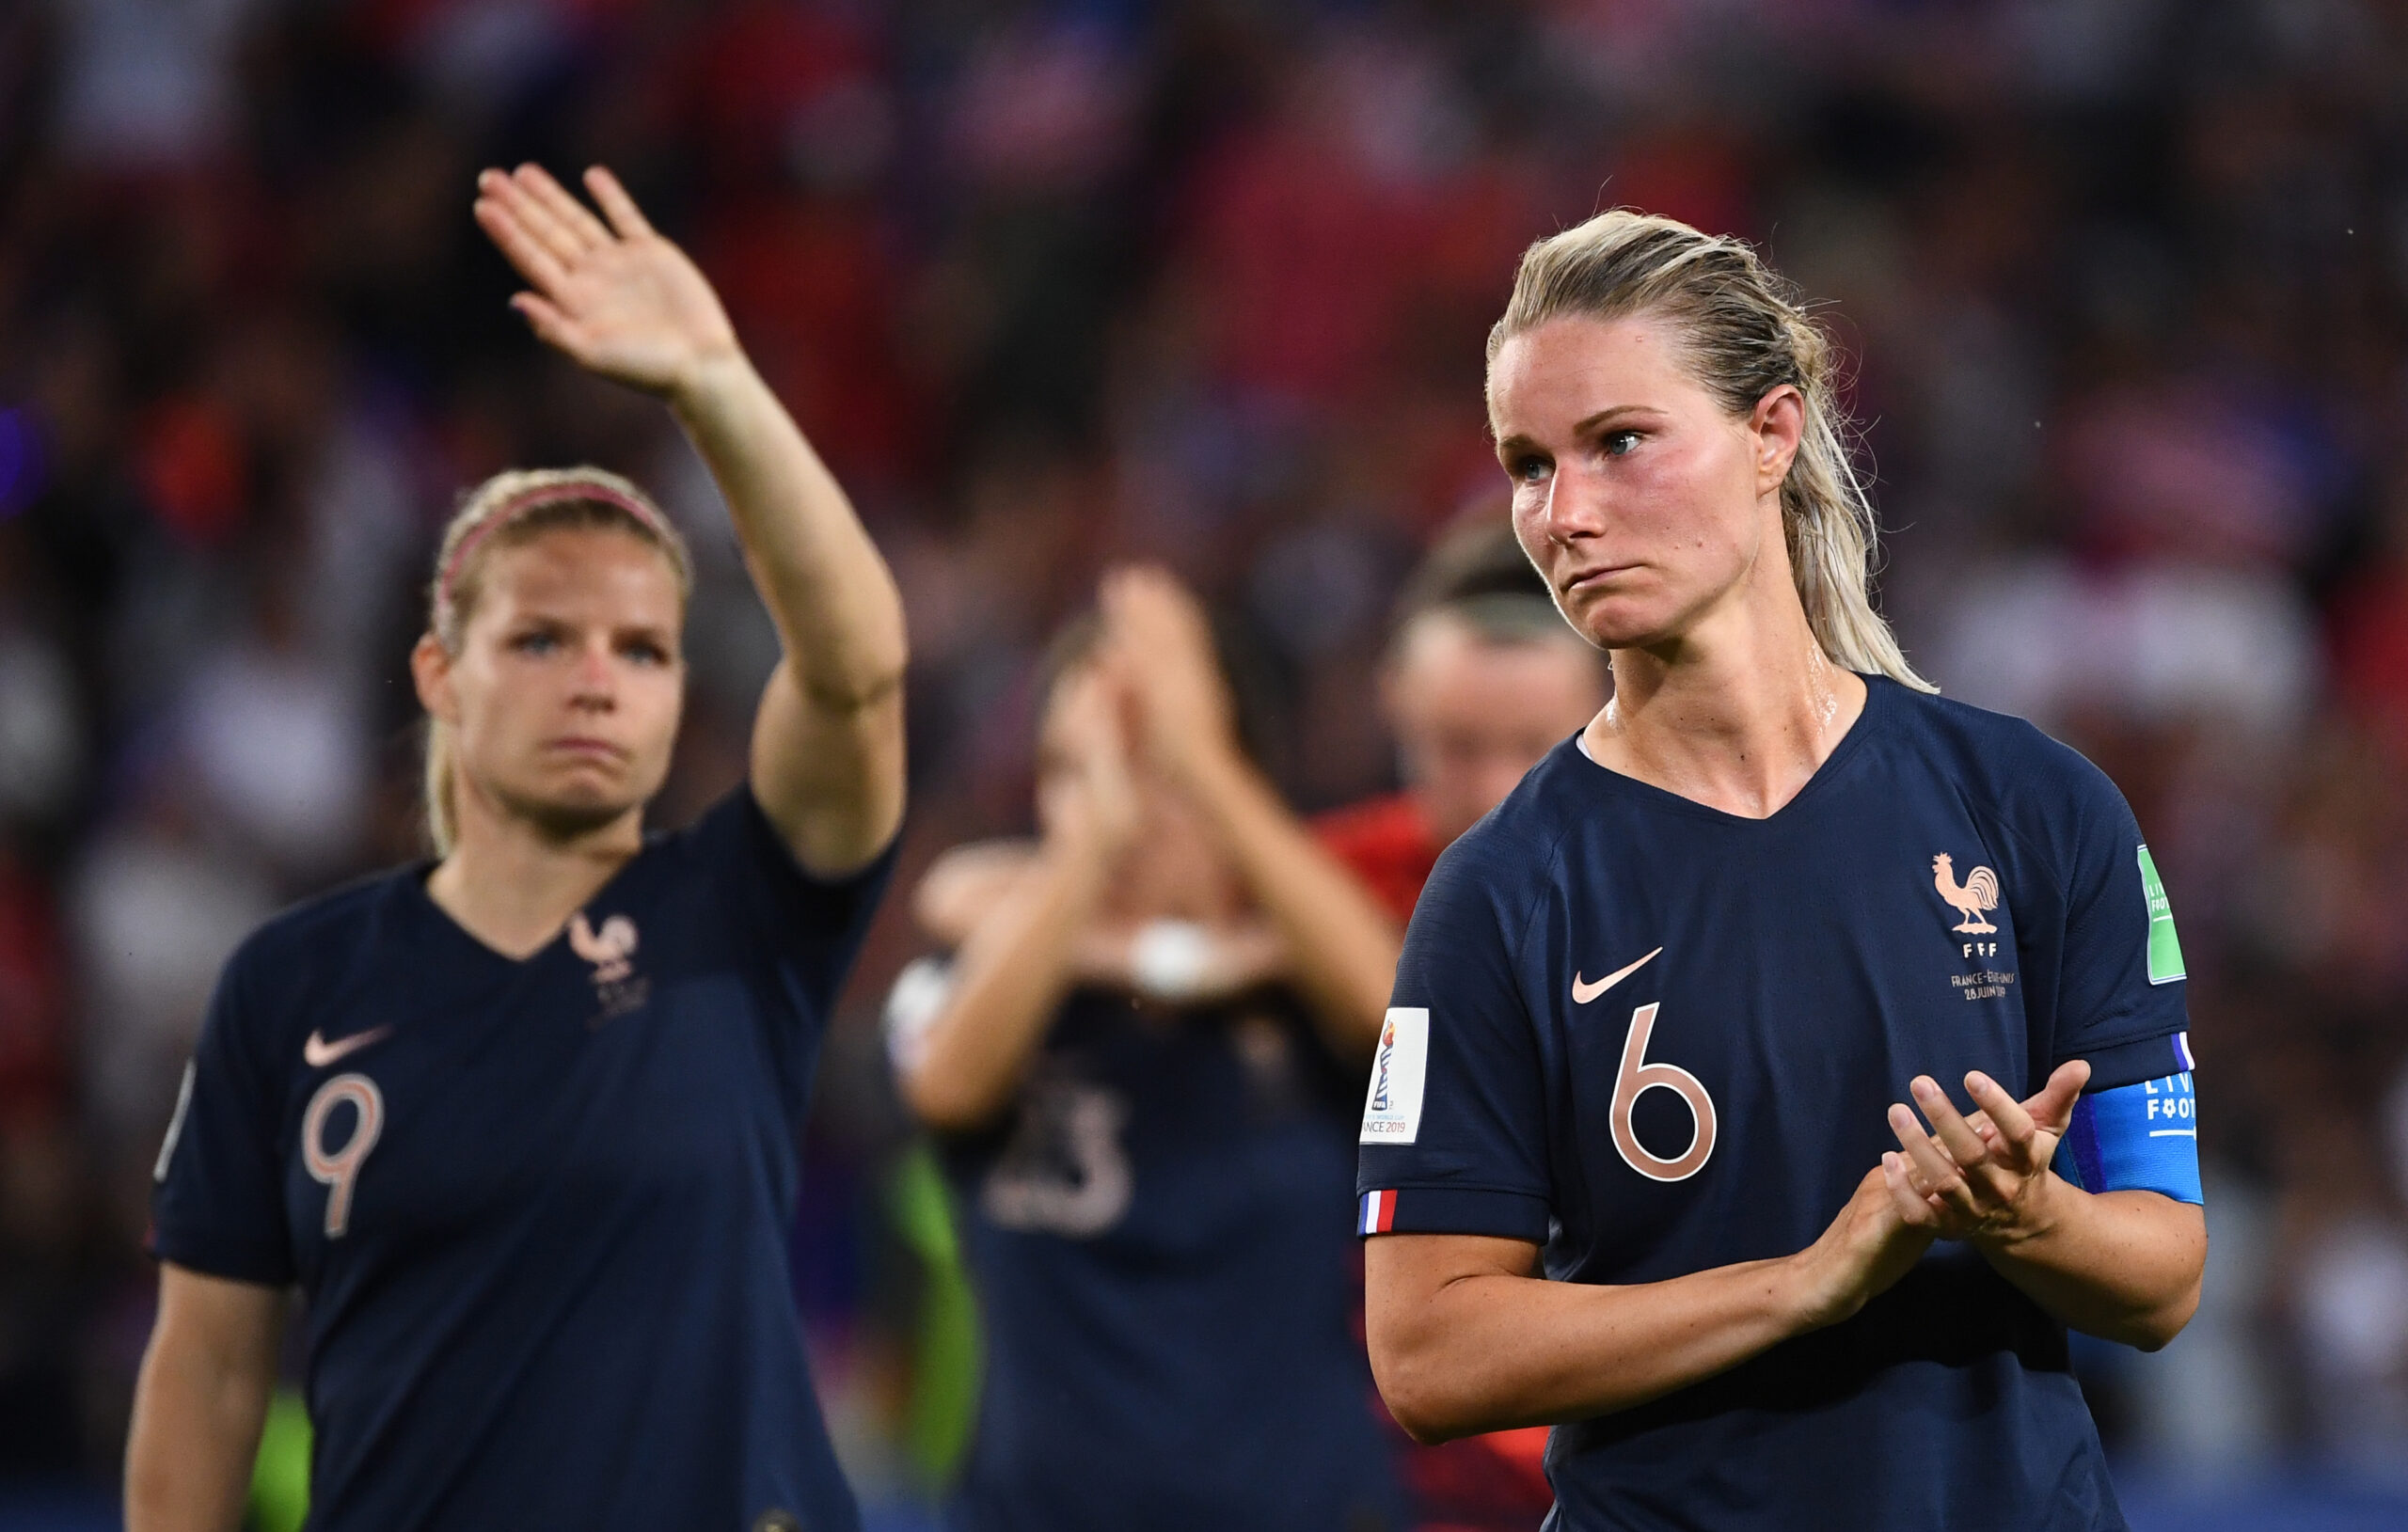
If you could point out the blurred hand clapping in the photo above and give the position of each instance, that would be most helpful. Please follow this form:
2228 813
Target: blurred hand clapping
1163 641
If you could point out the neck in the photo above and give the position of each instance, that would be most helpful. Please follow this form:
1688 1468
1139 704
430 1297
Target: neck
1737 714
512 884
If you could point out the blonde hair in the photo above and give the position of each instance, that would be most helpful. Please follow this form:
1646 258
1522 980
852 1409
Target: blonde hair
1747 335
507 511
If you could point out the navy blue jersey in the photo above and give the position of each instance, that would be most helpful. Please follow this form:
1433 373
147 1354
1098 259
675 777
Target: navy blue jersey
538 1208
1157 1234
1656 1038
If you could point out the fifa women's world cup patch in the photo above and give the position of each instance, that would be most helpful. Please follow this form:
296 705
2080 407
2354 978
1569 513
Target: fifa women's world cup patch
1393 1106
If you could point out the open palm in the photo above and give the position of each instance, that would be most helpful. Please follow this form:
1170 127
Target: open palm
618 298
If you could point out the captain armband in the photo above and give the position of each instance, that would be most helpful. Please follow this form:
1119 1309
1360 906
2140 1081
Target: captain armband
2142 1137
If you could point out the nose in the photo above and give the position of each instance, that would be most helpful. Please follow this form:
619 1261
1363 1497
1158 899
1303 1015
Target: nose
1575 505
594 686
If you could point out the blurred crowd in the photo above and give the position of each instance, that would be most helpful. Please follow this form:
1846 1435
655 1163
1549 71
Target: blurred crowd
1057 283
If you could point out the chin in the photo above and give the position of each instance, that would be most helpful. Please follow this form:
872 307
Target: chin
1612 624
564 811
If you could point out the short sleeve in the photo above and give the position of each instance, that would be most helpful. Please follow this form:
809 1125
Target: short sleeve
1454 1121
808 929
218 1206
2120 1000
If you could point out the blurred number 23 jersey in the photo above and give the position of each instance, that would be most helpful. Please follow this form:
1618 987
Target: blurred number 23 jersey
1657 1039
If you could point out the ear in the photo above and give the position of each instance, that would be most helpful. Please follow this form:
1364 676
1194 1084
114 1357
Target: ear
1777 425
431 673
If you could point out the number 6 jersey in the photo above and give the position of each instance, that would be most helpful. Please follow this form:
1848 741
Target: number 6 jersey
1656 1038
539 1208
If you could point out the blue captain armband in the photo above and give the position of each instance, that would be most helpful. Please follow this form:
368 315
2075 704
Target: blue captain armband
2142 1137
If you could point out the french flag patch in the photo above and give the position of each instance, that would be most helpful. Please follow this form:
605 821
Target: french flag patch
2182 1051
1379 1213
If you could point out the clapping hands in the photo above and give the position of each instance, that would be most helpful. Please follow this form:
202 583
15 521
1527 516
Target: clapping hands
1983 1177
1161 639
1087 799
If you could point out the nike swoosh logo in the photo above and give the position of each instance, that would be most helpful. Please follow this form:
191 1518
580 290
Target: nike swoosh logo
317 1052
1583 993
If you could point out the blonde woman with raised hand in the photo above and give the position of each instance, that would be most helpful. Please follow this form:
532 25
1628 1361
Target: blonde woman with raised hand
1637 1160
520 1122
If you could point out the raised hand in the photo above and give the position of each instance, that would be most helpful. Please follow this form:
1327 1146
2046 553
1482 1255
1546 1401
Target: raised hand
1163 643
617 298
1986 1178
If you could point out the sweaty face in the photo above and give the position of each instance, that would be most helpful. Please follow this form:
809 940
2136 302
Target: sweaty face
1472 714
566 694
1642 501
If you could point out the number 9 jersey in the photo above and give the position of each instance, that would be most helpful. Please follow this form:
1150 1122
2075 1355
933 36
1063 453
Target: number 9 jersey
540 1207
1656 1038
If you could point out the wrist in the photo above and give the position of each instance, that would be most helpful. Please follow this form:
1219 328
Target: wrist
1802 1295
1212 769
714 378
2038 1213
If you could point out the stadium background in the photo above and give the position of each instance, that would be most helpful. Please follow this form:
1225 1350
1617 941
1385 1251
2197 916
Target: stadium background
1055 284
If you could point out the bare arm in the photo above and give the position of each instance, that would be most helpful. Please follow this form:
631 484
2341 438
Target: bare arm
624 302
1342 946
1020 959
200 1402
967 881
2124 1266
2121 1264
1464 1337
963 884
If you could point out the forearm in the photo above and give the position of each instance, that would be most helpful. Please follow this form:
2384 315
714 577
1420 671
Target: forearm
1343 944
1491 1352
1009 980
195 1431
2124 1266
827 589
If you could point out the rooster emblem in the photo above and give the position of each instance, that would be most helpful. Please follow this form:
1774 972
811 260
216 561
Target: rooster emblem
607 949
1979 891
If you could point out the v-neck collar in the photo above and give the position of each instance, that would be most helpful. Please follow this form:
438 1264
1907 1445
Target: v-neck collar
433 915
1875 701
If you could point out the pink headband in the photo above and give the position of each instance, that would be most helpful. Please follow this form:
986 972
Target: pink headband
542 495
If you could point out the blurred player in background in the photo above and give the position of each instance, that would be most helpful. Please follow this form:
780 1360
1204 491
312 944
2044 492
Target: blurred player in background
1143 1063
1483 677
521 1121
1693 1223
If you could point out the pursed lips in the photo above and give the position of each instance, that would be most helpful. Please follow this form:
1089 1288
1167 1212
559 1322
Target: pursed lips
585 747
1594 577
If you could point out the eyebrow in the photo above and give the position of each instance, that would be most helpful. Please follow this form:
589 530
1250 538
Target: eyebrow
1581 428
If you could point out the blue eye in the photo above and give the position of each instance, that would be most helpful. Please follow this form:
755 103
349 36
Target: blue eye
1529 471
1619 443
534 644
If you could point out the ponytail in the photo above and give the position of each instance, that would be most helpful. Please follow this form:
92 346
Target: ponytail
442 813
